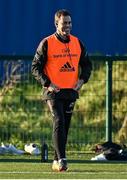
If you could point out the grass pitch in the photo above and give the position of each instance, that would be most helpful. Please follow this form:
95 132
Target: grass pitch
29 167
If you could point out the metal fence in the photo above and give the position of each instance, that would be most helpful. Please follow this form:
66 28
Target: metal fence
99 114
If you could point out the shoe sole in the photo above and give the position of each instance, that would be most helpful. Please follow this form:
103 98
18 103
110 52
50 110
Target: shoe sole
63 170
60 170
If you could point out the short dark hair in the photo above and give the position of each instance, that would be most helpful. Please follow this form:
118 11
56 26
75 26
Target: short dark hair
61 12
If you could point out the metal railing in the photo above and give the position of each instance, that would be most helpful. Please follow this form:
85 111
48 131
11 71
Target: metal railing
24 116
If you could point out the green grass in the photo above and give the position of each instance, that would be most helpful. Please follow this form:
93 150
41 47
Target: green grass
30 167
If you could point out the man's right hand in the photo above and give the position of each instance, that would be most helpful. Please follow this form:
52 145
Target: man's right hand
53 88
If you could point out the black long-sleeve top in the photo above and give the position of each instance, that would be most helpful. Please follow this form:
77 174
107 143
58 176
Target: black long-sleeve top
40 60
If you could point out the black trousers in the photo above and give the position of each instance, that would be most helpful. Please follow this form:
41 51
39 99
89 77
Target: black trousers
61 111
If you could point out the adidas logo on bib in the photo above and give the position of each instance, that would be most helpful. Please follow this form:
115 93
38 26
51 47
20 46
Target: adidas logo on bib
67 68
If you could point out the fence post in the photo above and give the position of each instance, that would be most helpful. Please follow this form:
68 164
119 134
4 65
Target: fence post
109 100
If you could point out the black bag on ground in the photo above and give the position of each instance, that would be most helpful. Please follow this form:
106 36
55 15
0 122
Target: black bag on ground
112 154
112 151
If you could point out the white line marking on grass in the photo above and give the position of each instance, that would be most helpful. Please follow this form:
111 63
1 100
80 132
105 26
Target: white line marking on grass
67 172
66 179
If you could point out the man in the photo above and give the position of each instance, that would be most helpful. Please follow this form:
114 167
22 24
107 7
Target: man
56 66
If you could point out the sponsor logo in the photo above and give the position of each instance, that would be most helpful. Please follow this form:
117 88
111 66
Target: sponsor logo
67 68
66 50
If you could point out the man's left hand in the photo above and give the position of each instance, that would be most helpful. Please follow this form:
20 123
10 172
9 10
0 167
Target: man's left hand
79 85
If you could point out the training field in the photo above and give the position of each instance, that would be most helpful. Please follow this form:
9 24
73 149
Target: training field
29 167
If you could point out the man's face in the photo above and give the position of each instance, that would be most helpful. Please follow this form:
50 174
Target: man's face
64 25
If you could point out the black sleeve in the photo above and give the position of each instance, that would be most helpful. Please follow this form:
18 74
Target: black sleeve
39 62
85 64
